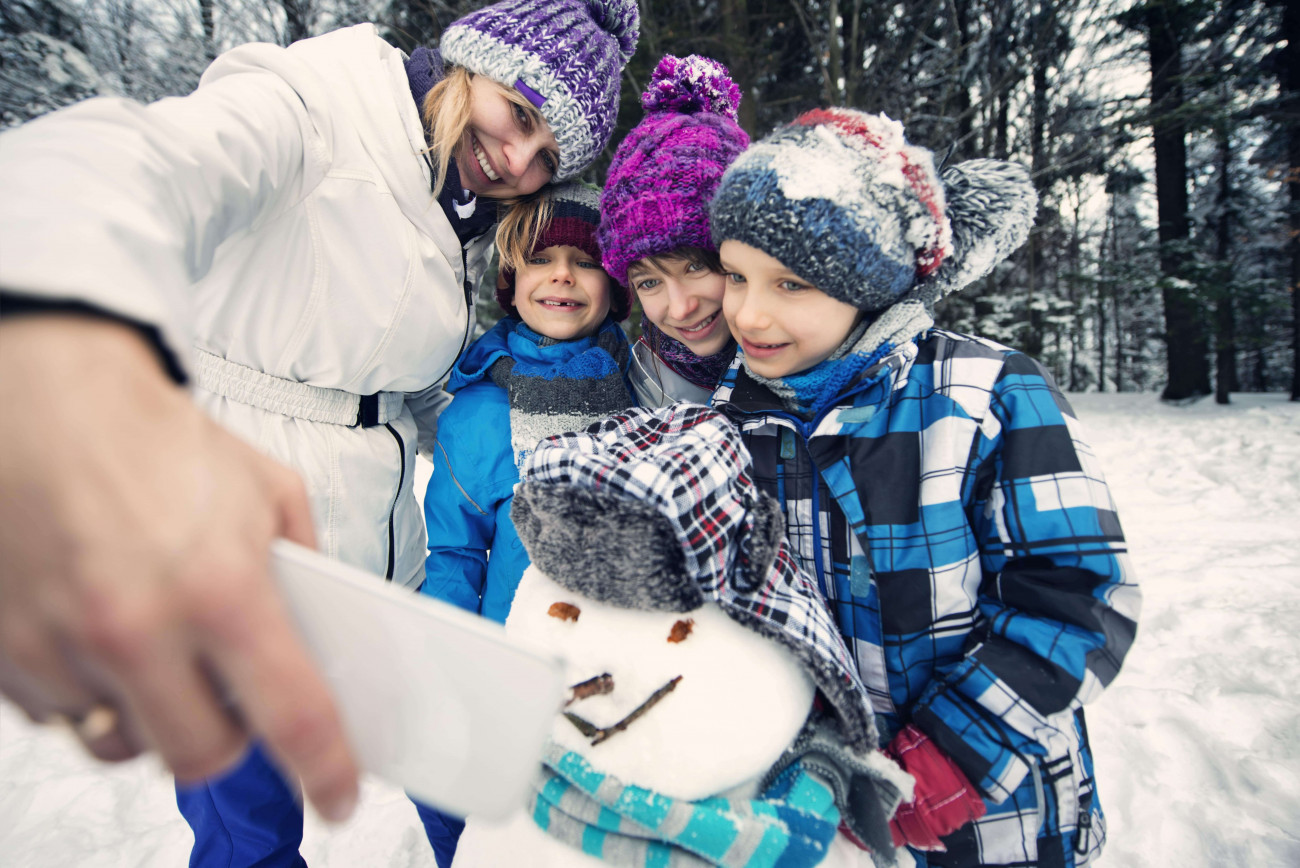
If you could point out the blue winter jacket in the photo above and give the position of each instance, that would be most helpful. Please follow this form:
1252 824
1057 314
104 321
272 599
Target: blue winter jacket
963 534
467 503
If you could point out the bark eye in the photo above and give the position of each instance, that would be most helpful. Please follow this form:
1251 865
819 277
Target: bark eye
564 611
681 630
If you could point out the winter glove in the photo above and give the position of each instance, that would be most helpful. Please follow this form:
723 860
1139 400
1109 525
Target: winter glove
943 800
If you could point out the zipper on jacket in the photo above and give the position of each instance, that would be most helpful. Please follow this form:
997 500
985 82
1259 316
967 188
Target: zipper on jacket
392 510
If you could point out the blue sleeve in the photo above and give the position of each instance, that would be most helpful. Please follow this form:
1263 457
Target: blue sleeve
1058 598
473 475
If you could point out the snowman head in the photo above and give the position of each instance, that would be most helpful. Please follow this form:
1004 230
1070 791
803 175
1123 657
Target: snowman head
653 512
689 704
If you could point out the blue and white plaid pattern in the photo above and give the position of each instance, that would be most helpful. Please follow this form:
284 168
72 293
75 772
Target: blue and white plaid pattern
689 463
957 523
790 826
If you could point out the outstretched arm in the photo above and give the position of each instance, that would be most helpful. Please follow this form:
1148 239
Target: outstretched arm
134 538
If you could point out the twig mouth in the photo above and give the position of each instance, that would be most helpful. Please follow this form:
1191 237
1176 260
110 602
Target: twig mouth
598 734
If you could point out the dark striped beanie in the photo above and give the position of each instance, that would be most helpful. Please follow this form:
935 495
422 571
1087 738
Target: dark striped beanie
575 217
842 199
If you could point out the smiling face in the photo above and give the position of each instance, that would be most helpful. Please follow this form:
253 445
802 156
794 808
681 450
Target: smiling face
562 293
784 324
685 743
508 149
684 299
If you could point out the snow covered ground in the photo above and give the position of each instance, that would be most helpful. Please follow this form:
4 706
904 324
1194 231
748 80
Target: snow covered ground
1197 741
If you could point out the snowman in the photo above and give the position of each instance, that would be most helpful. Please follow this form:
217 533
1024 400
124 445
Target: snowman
715 716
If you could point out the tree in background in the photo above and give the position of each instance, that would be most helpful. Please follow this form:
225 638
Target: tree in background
43 62
1114 290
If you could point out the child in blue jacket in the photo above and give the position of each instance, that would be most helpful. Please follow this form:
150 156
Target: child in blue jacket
556 363
937 484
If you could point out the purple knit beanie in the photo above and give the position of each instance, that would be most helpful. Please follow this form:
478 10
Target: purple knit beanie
663 175
574 217
565 56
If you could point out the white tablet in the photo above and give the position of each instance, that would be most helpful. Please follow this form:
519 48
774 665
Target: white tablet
434 699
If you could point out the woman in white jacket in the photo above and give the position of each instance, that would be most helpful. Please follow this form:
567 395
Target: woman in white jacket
298 241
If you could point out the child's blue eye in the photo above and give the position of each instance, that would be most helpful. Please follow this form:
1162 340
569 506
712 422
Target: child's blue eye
588 263
733 277
648 284
537 260
548 161
522 117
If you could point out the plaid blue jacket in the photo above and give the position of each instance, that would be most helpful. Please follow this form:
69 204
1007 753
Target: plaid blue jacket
962 532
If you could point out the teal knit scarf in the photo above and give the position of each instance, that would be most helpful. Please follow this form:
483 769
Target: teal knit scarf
790 826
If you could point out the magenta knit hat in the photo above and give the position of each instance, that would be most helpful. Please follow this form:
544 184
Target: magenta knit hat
656 198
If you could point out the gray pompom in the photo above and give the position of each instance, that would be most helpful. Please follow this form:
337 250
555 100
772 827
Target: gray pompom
991 205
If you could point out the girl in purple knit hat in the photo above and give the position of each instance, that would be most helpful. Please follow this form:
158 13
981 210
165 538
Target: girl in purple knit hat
654 227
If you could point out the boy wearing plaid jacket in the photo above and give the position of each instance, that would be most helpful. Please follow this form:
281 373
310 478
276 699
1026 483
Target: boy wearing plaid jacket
936 484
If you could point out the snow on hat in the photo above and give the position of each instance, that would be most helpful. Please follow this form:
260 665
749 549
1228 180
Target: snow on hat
574 217
664 173
842 197
565 56
667 496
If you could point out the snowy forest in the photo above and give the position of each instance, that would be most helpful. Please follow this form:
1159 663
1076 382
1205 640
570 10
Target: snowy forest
1163 137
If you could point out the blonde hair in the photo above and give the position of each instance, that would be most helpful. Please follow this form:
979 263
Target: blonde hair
446 116
521 227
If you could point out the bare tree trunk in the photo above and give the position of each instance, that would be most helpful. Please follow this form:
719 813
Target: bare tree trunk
734 16
1290 65
206 16
1076 335
1119 340
1103 284
299 16
1225 339
1188 352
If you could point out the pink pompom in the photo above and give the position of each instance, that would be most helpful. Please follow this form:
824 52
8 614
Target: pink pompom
691 85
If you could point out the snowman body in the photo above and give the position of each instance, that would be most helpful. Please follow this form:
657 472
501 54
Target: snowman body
724 704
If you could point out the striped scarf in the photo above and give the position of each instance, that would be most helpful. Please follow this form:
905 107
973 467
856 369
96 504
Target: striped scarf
790 826
553 397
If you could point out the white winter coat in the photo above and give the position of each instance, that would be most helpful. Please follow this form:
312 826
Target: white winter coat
279 217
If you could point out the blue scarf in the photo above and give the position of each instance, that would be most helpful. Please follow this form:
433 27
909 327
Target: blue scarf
564 390
791 825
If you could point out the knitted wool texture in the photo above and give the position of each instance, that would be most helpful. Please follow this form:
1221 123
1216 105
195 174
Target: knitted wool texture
552 398
664 173
574 218
790 825
566 56
702 371
840 197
